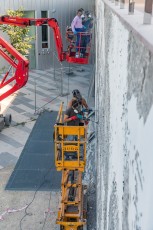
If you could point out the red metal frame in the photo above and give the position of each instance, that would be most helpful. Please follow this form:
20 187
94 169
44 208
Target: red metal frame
19 63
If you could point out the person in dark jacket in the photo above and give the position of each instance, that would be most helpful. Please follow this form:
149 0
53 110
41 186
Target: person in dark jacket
86 38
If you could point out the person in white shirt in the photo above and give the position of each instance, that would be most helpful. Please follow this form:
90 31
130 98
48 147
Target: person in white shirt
77 28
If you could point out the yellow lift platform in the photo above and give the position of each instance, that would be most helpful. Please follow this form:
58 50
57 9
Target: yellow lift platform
70 158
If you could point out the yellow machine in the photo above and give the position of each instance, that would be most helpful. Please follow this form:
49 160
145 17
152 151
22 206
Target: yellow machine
70 158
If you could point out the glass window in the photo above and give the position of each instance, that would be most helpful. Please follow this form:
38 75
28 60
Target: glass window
32 29
44 14
44 33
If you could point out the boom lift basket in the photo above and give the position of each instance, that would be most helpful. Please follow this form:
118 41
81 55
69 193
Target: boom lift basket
82 48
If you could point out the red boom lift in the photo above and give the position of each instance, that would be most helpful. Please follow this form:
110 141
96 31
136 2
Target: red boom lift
21 64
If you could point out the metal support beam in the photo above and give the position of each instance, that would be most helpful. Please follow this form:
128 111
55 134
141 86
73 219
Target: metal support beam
122 4
148 12
116 2
131 7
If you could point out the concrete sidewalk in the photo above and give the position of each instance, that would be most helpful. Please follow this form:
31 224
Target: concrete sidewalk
43 91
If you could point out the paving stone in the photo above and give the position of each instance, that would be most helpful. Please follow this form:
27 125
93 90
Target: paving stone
7 159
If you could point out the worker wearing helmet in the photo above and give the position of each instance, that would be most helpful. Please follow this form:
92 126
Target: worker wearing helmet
71 116
78 97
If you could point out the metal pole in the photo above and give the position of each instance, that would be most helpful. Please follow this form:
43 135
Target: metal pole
61 81
148 12
54 64
70 71
116 2
122 4
35 96
131 7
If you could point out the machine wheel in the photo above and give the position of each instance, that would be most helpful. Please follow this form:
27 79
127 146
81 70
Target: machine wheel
7 119
80 228
84 227
1 123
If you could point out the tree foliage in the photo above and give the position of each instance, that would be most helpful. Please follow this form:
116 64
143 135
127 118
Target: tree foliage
19 36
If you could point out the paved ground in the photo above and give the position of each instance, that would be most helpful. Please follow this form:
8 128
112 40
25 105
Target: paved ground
44 90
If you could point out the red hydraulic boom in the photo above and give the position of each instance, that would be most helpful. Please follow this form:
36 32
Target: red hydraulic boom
20 63
21 66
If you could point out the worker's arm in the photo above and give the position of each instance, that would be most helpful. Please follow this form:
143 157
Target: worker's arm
84 103
67 118
73 24
69 105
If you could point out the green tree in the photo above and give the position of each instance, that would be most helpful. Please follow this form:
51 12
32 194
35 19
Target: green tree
19 36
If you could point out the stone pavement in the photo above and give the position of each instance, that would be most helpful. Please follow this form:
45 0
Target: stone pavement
44 90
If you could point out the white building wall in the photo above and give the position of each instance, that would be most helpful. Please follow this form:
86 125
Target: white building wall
124 86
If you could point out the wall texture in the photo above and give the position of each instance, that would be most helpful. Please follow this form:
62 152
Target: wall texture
124 98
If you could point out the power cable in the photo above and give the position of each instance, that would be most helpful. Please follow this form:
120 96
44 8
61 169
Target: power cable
34 196
47 213
47 103
68 87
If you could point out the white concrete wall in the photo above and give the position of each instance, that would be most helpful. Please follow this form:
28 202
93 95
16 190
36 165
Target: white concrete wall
124 98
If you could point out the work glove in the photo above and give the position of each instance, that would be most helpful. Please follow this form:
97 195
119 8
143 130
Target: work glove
86 122
80 116
74 118
75 32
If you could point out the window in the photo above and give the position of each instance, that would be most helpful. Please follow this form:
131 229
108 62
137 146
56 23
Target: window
44 14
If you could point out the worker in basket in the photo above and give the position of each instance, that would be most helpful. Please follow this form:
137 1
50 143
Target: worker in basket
69 34
70 37
72 115
78 28
87 21
73 118
82 107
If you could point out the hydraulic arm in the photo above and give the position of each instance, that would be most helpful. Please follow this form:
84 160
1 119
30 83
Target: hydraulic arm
20 64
